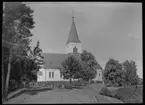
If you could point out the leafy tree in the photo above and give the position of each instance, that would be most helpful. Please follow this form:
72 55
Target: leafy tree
17 22
70 68
27 68
140 81
89 65
130 73
35 55
113 73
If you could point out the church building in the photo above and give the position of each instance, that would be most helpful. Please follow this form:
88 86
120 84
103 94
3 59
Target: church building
50 70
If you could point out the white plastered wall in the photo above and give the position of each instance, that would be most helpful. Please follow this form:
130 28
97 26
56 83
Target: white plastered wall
98 76
70 46
45 75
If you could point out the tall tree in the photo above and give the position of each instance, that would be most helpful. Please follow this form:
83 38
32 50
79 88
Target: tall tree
36 56
70 67
113 73
17 22
90 65
26 68
130 71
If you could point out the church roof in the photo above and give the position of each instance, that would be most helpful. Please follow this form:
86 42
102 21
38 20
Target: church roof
54 60
73 36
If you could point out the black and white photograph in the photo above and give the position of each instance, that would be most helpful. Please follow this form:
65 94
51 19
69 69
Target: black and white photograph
72 52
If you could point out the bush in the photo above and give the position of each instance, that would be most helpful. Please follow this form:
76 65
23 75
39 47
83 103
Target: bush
105 91
129 94
108 85
68 86
118 96
132 99
44 84
127 99
99 81
92 82
77 84
59 85
13 85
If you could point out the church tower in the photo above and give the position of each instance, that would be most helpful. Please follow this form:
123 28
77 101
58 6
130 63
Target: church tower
73 44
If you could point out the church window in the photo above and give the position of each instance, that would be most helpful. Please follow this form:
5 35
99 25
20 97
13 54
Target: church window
40 73
75 50
61 75
49 74
52 74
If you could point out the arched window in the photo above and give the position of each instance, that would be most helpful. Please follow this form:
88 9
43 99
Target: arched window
40 73
49 74
52 74
61 75
75 50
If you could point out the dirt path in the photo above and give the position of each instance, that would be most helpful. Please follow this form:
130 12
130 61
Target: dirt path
85 95
56 96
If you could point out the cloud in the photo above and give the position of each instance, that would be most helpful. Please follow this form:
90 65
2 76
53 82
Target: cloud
134 36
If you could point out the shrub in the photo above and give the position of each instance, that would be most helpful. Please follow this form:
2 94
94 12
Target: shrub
92 82
132 99
59 85
99 81
129 94
128 99
105 91
68 86
13 85
118 96
77 84
32 83
108 85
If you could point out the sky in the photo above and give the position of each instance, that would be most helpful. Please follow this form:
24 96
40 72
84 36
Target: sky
107 30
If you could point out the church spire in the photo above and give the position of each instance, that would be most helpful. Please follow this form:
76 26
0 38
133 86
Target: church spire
73 36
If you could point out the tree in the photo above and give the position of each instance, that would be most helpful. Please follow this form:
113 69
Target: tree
113 73
140 81
71 67
35 55
90 65
130 72
17 22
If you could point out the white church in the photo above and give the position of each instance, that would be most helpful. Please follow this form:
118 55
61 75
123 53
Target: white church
50 70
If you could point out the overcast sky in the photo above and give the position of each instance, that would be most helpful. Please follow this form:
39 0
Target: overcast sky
108 30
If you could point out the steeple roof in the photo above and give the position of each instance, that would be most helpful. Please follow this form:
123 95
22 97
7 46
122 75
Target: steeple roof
73 36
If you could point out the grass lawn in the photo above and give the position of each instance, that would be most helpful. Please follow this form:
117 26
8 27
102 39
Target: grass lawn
101 98
131 94
127 94
106 99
